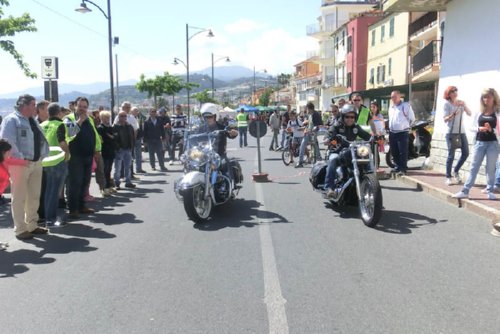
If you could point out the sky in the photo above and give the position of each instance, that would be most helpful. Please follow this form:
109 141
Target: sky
268 35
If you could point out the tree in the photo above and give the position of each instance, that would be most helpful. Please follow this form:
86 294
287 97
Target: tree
165 84
284 79
9 27
265 98
203 97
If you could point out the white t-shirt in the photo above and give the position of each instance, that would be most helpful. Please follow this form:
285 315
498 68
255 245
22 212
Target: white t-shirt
295 125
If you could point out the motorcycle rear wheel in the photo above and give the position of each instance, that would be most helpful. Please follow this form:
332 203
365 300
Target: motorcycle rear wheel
196 206
287 156
370 205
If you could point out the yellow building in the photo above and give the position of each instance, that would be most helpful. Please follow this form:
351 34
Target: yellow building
388 52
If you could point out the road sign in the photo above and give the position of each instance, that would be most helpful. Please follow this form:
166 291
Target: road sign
257 128
50 68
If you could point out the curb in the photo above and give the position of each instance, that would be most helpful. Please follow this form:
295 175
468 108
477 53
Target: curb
478 208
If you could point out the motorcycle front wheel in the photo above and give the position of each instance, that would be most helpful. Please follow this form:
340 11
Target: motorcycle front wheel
370 203
196 206
287 156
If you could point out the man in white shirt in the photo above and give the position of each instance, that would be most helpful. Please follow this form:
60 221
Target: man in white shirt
401 117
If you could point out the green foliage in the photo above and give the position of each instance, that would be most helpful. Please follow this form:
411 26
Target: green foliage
203 97
9 27
284 79
265 98
165 84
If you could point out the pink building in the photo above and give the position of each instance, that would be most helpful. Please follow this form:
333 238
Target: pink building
357 50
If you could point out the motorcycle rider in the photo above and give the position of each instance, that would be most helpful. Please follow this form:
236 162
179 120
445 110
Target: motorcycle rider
209 113
178 121
348 128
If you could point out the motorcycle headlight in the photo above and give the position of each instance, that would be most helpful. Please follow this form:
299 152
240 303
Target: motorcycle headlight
363 151
196 157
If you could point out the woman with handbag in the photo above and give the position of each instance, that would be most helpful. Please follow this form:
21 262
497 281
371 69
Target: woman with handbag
486 145
455 137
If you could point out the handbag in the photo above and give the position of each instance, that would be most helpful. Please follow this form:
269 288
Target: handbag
456 138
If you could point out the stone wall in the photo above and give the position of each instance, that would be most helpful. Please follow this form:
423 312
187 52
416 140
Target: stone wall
439 153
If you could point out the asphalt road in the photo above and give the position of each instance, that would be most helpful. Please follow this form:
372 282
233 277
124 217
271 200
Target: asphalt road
278 259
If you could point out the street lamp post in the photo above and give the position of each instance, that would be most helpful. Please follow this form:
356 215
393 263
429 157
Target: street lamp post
188 38
254 72
84 9
213 62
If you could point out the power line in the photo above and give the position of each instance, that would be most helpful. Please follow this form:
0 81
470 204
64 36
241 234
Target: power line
86 27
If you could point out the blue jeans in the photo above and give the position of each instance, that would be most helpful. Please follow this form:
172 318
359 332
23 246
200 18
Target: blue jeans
125 157
55 177
497 173
331 170
303 146
451 154
488 149
138 154
243 135
283 138
398 142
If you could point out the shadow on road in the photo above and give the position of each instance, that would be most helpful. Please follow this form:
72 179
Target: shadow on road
247 212
417 189
13 263
400 222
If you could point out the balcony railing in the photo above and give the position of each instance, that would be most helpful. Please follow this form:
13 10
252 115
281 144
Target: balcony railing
427 57
425 22
316 28
341 2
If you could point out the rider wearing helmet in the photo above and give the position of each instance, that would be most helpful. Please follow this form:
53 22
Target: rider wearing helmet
208 112
347 128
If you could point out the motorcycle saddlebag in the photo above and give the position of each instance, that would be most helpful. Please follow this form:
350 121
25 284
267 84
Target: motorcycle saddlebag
237 172
318 174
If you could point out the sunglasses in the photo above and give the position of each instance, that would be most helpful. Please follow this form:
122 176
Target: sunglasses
350 117
356 100
453 91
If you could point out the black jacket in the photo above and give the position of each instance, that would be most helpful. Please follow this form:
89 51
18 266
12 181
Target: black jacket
350 132
153 132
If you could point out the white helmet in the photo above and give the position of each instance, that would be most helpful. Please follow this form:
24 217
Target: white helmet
208 109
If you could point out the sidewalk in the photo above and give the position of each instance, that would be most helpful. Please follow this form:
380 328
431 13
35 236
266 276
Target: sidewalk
433 183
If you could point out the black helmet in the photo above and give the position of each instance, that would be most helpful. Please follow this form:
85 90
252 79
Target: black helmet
348 109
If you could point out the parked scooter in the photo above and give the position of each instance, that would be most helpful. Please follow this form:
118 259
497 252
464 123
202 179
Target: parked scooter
419 143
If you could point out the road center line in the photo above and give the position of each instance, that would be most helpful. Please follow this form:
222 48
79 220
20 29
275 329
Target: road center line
273 298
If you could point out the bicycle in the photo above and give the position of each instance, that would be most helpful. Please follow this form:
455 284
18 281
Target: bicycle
292 150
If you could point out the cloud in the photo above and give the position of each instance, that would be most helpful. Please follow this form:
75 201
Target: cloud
243 26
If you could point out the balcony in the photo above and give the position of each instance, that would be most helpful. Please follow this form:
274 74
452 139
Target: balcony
425 28
325 3
415 6
426 63
320 31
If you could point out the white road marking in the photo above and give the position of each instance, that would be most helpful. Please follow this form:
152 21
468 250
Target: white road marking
273 298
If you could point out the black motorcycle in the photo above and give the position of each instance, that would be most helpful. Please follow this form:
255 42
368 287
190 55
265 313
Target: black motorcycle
357 182
419 143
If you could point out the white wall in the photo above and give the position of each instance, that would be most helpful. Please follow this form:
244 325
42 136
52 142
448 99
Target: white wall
471 53
470 61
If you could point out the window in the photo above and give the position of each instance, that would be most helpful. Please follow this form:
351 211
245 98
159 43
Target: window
372 76
336 42
349 79
391 27
382 33
389 67
349 44
380 73
373 37
343 37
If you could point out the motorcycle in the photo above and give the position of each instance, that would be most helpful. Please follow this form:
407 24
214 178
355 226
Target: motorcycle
208 179
419 143
356 180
